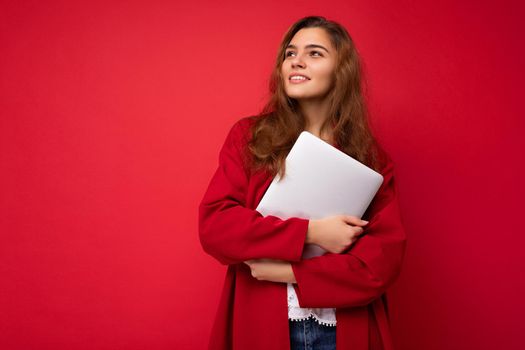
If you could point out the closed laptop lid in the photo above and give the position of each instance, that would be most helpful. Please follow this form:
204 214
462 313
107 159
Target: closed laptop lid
320 181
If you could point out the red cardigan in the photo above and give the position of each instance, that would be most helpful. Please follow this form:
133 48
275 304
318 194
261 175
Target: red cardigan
253 314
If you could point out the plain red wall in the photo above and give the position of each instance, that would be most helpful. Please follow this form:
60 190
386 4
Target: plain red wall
112 116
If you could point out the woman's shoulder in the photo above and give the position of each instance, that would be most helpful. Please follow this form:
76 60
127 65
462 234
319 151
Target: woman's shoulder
238 137
243 124
241 128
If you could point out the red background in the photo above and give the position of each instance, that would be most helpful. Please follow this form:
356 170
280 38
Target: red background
112 116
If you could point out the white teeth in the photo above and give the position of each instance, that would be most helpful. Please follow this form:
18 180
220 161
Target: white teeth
296 77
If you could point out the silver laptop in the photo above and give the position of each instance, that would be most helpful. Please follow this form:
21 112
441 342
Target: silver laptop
320 181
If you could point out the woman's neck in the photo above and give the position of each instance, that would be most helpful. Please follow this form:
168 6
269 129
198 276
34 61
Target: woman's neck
315 114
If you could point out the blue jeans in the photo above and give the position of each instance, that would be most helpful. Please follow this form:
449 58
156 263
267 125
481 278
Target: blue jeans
310 335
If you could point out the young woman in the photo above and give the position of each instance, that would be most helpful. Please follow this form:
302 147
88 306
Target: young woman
271 298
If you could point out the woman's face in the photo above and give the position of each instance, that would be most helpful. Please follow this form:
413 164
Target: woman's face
310 57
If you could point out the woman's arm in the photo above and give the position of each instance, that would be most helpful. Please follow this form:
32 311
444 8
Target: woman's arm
228 230
363 273
271 270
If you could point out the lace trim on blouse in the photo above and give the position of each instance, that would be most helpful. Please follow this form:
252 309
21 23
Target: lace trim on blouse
324 316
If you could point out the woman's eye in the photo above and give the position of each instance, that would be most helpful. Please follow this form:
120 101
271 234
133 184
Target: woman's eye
315 53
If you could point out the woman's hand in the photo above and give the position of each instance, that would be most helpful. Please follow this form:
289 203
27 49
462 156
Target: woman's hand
271 270
335 233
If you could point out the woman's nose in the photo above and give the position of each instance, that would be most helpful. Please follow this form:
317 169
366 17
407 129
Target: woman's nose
297 61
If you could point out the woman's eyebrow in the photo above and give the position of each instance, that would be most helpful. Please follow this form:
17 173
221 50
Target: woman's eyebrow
291 46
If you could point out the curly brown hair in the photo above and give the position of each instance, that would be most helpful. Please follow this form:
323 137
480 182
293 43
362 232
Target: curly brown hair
280 122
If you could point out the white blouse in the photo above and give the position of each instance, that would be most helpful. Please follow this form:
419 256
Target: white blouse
324 316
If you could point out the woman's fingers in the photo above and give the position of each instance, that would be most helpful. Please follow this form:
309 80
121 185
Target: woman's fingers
354 220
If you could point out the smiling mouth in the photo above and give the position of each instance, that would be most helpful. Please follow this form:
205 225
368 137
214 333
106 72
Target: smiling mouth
298 77
298 81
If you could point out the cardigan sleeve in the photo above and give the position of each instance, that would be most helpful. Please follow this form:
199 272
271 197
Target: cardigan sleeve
228 230
364 271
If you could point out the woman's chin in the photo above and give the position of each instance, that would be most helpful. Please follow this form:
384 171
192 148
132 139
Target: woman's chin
299 96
